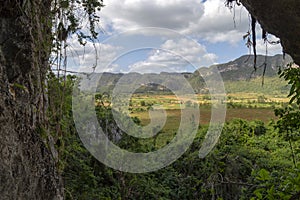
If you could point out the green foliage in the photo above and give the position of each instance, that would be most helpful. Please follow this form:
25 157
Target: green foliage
272 86
60 117
288 124
278 185
285 184
251 160
292 74
289 121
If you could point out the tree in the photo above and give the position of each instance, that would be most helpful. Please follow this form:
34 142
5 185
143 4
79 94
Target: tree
28 29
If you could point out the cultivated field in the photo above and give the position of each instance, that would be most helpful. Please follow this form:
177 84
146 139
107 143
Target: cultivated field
248 106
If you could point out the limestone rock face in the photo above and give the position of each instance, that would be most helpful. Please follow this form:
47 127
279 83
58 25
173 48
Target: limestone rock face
27 170
282 19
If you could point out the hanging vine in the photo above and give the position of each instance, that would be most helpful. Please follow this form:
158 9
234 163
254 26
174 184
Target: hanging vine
253 28
251 41
70 18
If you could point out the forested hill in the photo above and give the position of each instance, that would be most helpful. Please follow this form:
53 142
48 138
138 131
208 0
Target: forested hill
241 69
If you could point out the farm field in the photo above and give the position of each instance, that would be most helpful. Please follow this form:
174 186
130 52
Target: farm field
248 106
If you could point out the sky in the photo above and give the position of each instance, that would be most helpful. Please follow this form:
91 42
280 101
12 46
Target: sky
171 36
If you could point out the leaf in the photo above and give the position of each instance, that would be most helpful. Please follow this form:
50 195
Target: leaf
258 193
263 175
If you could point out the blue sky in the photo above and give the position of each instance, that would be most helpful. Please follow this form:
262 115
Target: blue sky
184 35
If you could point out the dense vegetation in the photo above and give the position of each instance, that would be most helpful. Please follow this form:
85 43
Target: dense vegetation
252 160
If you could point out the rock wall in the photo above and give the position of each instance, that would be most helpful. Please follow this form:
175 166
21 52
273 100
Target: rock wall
280 18
27 170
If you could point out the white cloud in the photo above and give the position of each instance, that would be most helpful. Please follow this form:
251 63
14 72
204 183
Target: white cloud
219 23
175 14
210 20
272 49
175 56
232 36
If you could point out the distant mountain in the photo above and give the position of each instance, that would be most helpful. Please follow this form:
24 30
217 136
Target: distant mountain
150 83
243 67
240 69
